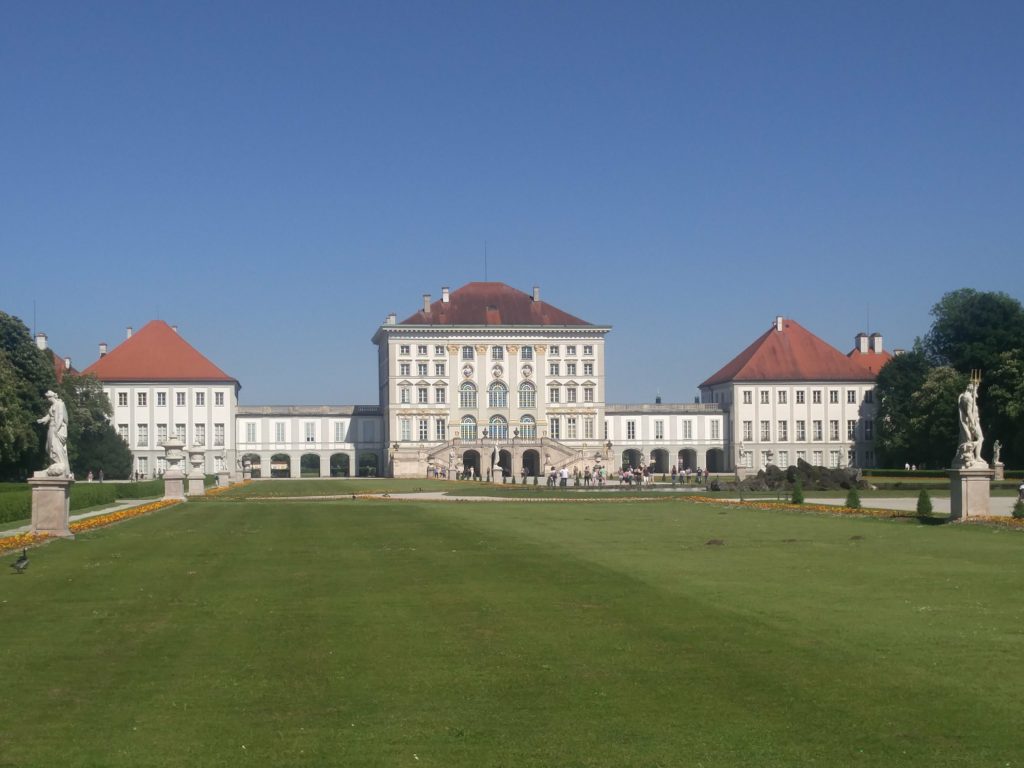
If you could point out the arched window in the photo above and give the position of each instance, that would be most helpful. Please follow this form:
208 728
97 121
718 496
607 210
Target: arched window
499 428
467 395
467 429
528 428
527 395
497 395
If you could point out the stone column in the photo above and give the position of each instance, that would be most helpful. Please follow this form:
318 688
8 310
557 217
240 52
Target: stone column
969 492
51 504
174 477
1000 471
196 476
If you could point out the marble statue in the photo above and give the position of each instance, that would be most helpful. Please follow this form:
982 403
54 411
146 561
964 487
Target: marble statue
56 437
968 454
997 448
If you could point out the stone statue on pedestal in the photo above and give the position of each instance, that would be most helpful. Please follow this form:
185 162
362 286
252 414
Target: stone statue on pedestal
968 454
56 438
997 448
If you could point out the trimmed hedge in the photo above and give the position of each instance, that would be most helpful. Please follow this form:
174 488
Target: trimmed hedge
16 498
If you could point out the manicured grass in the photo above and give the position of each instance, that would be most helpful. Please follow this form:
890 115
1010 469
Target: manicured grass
377 633
335 487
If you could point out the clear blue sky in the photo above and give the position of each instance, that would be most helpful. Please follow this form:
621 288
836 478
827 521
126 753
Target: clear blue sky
276 177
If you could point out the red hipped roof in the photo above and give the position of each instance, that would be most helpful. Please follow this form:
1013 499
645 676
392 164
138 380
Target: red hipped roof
792 354
870 360
491 304
156 352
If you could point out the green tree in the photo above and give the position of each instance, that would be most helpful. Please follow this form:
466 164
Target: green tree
26 372
895 386
972 329
924 504
93 444
934 423
1005 401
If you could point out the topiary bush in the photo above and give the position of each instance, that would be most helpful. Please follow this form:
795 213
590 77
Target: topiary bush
1018 510
924 504
853 499
798 493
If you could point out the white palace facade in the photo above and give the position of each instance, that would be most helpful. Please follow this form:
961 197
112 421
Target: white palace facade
489 376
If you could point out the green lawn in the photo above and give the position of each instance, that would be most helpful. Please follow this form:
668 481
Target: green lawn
377 633
335 487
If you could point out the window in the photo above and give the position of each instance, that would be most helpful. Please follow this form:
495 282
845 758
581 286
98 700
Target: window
467 352
422 427
688 429
570 350
200 399
421 369
526 353
143 466
553 350
800 397
783 433
497 353
716 429
570 428
467 395
851 457
405 430
748 430
570 394
161 399
179 433
833 459
588 369
439 369
218 435
497 395
833 396
556 428
440 395
766 431
528 428
527 396
588 394
782 397
816 396
404 349
833 429
403 395
440 429
764 397
421 349
659 429
218 398
588 349
784 459
438 350
161 434
122 431
122 398
200 434
588 427
142 435
869 396
765 461
339 431
801 432
279 432
570 369
631 430
405 369
748 397
467 429
553 369
161 465
816 459
851 430
816 427
851 396
498 428
606 429
422 395
869 429
801 456
141 399
553 395
250 432
179 399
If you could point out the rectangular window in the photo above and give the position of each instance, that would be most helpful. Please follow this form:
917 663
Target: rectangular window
764 397
421 349
122 398
816 427
851 396
250 432
765 460
553 395
783 435
438 350
218 435
440 429
833 429
748 397
440 395
179 432
588 369
588 427
570 428
800 397
556 428
143 466
816 396
142 435
179 399
404 349
309 431
497 353
161 434
716 429
833 396
339 431
218 398
659 430
404 395
766 431
851 430
784 459
200 433
869 429
526 353
279 432
570 369
869 396
421 369
570 394
570 350
405 369
422 395
801 432
782 397
748 430
553 350
687 429
588 349
588 394
816 458
161 399
439 369
801 456
631 430
141 399
405 430
553 369
200 399
467 352
421 429
606 429
833 459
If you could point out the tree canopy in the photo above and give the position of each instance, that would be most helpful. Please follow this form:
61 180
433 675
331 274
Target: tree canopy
93 444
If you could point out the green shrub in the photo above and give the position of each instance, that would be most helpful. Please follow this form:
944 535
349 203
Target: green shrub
148 489
15 505
798 493
85 495
924 504
853 499
1018 509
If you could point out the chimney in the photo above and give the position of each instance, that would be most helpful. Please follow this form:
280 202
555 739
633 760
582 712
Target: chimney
860 343
876 343
41 340
174 328
390 319
128 332
426 303
67 363
536 293
778 322
444 295
103 348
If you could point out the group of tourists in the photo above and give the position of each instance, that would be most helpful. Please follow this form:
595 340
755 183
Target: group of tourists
682 476
596 476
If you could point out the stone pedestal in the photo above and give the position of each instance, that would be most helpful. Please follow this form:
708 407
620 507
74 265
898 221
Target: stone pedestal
223 479
969 491
1000 471
196 476
174 485
51 504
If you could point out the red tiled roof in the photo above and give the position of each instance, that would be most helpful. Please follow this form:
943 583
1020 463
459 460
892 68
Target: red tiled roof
491 304
156 353
871 361
58 367
792 354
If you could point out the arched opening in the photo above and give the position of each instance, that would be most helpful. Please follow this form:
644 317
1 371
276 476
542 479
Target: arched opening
340 465
659 460
280 465
716 460
531 463
688 459
368 464
254 463
467 395
497 395
467 428
309 465
471 464
505 461
498 428
527 396
528 428
631 458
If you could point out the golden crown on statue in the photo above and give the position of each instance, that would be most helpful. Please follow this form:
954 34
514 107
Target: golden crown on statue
975 376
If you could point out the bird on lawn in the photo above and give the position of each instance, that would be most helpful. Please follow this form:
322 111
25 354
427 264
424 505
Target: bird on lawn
21 563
